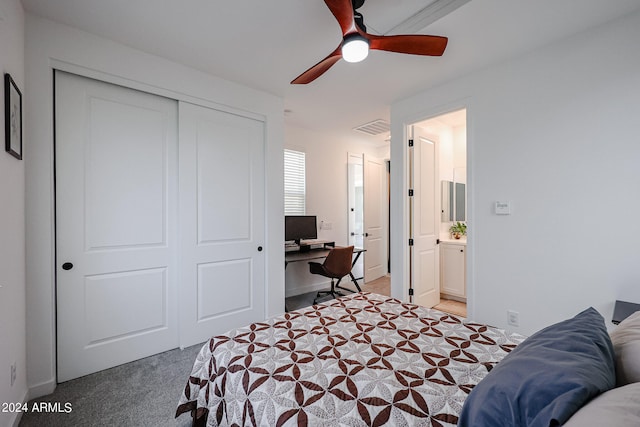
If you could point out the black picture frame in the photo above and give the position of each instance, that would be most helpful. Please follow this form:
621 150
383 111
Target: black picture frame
12 117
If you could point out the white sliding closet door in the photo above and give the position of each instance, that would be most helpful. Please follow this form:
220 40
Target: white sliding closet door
222 215
116 225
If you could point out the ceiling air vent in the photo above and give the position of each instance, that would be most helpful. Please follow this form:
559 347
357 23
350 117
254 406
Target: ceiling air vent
374 128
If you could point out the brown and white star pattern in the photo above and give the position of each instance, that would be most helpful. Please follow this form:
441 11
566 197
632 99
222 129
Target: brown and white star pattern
360 360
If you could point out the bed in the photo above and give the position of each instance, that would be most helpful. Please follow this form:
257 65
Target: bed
364 359
371 360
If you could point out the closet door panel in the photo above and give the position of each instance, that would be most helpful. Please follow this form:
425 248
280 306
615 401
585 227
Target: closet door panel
222 211
223 157
116 223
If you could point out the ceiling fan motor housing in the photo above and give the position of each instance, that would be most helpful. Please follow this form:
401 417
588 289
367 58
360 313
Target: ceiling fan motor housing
359 20
357 4
357 16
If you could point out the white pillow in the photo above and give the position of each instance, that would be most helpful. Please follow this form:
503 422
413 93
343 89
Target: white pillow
626 345
618 407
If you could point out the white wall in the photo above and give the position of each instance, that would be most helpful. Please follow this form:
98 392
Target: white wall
50 45
12 224
554 132
460 153
327 198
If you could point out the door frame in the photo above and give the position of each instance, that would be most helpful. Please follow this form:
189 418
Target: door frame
401 122
68 53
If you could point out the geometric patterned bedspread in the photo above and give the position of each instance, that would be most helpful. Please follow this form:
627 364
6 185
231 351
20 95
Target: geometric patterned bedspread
360 360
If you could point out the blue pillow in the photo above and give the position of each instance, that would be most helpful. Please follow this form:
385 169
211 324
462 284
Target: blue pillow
547 378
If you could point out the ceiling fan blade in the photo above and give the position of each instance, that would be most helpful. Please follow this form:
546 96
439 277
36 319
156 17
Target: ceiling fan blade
319 69
418 44
343 11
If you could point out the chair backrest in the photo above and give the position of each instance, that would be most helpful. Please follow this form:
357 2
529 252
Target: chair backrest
338 262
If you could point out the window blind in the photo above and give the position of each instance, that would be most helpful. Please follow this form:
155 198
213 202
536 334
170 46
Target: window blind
294 182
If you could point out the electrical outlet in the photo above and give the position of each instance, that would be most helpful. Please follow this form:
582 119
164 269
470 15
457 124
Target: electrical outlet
513 318
13 374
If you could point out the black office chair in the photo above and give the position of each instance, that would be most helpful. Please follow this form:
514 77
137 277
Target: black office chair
335 266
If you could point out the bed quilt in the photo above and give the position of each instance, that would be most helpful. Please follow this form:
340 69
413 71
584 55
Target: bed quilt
360 360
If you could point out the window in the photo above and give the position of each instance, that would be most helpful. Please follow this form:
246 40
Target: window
294 182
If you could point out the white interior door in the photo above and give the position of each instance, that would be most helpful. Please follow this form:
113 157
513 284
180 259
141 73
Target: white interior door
375 258
222 214
355 188
116 204
426 283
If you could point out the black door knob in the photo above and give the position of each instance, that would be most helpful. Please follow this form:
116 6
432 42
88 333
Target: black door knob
259 248
67 266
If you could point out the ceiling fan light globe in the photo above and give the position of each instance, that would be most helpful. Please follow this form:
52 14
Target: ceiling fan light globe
355 49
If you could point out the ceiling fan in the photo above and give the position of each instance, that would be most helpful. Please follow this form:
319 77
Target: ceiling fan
356 42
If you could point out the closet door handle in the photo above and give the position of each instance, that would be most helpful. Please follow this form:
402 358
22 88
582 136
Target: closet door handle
67 266
259 248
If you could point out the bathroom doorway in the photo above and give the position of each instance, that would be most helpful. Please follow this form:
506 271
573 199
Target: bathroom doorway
439 182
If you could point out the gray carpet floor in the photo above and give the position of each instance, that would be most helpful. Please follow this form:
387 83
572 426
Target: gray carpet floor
140 393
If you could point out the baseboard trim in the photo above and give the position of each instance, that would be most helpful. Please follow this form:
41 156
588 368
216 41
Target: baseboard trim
452 297
18 415
42 389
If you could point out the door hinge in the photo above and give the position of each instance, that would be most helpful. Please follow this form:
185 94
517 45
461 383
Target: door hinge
410 242
411 143
410 292
411 192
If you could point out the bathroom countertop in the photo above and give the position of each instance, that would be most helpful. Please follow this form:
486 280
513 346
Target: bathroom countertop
449 239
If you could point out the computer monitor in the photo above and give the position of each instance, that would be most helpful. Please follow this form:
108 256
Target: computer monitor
298 227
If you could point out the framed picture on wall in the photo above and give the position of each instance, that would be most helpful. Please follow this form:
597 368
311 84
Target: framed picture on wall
12 117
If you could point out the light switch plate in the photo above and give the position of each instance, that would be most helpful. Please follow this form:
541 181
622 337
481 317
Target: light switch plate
503 208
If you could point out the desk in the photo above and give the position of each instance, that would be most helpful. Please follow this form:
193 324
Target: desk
322 253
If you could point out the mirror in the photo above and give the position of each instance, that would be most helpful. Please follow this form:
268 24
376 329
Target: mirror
355 182
453 201
447 201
